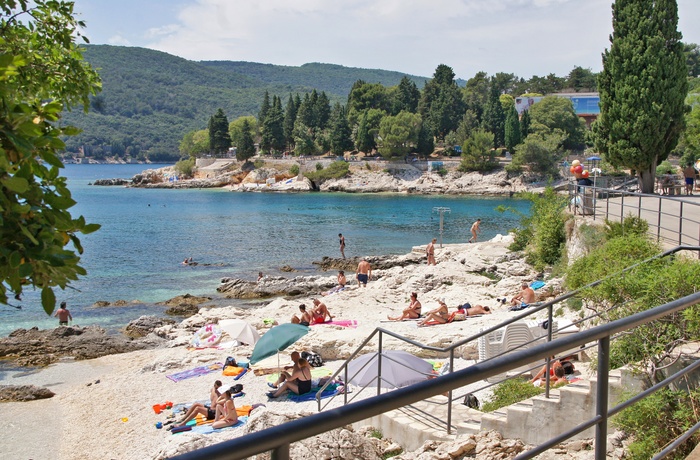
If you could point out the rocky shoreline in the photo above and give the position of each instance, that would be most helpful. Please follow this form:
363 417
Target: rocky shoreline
381 177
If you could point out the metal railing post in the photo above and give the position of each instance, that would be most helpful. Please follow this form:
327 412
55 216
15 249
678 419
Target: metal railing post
281 452
622 207
549 339
658 222
639 208
379 366
680 225
449 395
601 429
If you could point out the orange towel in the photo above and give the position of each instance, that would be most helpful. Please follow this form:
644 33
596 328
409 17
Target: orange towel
232 371
244 410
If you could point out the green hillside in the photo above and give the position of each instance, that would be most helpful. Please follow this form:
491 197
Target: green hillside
150 99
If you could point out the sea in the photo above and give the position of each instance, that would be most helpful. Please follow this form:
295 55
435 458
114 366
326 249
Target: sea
146 234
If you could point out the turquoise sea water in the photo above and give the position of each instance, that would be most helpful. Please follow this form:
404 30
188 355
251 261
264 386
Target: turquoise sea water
146 234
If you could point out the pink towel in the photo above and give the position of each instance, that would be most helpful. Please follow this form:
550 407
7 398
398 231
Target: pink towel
340 322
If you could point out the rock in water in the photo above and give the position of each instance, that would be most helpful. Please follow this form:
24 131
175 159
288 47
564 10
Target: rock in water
9 393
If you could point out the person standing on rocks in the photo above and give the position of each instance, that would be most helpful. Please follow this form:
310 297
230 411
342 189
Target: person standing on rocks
475 230
63 315
430 252
364 273
342 244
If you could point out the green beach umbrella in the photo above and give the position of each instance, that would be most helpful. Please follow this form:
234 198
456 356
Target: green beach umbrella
277 339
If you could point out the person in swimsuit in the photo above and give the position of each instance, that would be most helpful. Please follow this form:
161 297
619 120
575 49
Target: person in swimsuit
525 297
299 382
342 244
412 312
342 281
440 314
430 252
199 408
475 230
226 414
364 273
304 318
320 312
63 315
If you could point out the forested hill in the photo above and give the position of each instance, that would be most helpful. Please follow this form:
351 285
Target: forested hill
150 99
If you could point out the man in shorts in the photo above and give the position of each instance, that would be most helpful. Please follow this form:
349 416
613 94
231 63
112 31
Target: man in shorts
63 315
364 273
689 176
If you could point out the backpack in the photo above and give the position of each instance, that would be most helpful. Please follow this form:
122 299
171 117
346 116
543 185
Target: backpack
470 401
237 388
230 361
314 359
568 367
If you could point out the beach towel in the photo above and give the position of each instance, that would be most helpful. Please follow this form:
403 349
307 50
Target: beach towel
208 429
535 285
196 372
332 390
316 372
339 322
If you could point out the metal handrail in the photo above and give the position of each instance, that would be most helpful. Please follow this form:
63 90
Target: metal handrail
549 305
588 198
278 439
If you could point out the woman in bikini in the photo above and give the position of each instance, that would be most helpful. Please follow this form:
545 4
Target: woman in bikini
226 414
412 312
438 315
299 382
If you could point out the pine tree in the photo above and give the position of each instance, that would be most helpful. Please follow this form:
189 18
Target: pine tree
441 105
512 129
322 111
642 88
272 131
219 138
246 145
425 144
407 96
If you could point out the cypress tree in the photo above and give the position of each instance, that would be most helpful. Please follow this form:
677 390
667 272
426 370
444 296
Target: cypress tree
273 127
246 145
290 116
494 118
524 125
512 129
642 88
322 111
340 131
364 141
219 137
264 108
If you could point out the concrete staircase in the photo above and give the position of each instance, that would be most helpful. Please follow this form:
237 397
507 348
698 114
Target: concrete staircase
534 420
539 419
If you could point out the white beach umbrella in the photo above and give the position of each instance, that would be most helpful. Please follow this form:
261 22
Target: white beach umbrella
240 330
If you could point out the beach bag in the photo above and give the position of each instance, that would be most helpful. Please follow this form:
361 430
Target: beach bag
314 359
470 401
237 388
568 367
230 361
459 316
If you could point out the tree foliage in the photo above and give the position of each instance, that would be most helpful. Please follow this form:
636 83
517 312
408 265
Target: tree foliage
399 134
540 153
441 105
555 115
42 71
642 88
477 154
219 138
494 118
512 132
245 146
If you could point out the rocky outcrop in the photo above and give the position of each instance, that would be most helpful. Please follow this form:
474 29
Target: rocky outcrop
108 182
273 286
144 325
34 347
185 310
21 393
377 262
186 299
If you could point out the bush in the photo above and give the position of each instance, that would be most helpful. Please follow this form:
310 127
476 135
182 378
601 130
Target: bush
294 170
510 392
185 167
658 420
630 226
258 163
665 167
335 170
319 166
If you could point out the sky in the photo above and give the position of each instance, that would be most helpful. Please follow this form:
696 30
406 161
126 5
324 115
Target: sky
524 37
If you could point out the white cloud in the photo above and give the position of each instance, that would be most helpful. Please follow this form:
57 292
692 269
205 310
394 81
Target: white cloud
525 37
118 40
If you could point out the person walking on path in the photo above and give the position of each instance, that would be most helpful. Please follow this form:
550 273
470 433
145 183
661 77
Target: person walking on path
364 273
689 175
63 315
342 244
430 252
475 230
